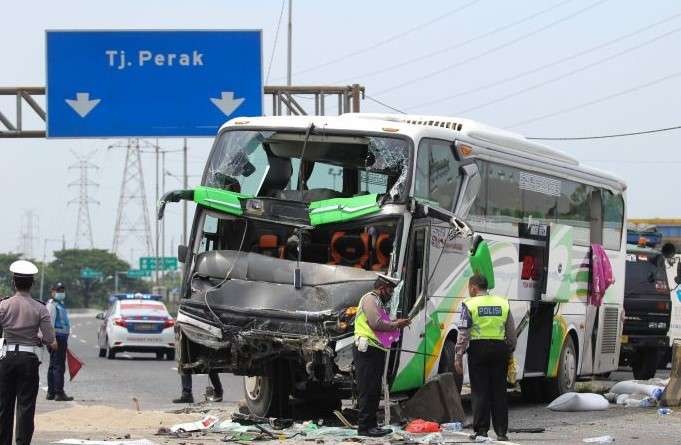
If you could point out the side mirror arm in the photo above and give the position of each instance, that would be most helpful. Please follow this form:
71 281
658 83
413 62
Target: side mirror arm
461 229
173 196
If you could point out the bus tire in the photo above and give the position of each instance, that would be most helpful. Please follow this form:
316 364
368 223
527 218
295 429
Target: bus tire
567 373
268 395
447 362
644 363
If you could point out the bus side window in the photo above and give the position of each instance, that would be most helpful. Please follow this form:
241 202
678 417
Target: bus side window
613 215
437 173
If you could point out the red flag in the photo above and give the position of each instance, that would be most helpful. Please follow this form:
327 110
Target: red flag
74 363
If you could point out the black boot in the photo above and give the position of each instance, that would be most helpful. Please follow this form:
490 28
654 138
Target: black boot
62 397
374 432
49 396
184 398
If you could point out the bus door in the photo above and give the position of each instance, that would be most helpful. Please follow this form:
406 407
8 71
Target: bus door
407 366
554 287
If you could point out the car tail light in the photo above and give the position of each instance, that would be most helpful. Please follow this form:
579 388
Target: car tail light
661 286
169 323
121 322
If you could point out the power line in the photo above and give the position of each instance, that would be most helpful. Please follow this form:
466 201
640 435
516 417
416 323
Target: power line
456 45
388 39
492 50
599 100
545 66
568 74
276 39
606 136
384 104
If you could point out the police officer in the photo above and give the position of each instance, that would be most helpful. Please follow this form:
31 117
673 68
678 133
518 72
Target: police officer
370 355
213 396
62 329
487 332
21 318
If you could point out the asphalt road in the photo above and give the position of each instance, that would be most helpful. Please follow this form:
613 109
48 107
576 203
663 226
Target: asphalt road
154 383
131 375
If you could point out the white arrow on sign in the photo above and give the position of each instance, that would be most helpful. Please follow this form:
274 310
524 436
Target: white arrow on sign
227 103
82 105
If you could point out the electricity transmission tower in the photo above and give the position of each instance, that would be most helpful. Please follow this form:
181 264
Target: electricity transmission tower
83 223
28 234
132 195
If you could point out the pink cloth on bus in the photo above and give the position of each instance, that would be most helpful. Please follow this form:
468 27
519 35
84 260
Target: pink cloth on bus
601 275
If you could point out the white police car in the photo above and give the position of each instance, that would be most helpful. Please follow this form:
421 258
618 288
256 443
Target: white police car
136 323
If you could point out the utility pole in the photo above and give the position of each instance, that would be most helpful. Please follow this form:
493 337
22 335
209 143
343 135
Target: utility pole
185 185
163 192
132 194
83 223
290 43
28 233
156 219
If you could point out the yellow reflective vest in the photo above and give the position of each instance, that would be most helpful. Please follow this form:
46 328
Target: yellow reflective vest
362 328
489 314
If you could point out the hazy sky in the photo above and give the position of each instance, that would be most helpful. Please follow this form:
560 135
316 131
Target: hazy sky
541 68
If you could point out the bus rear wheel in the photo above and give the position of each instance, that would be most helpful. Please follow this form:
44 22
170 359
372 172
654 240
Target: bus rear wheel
567 373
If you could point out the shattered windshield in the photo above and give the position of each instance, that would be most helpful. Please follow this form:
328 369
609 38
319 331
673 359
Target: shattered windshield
268 163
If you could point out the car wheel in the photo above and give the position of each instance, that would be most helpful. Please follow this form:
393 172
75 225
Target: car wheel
170 355
110 352
567 373
268 396
102 352
159 355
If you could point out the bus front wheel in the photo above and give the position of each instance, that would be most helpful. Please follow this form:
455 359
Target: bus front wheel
268 395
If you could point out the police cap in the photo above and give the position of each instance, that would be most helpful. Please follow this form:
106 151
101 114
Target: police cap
23 267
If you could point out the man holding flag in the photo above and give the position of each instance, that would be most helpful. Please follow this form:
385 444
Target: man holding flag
62 329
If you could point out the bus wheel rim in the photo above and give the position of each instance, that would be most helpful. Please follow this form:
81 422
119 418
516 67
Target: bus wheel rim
253 387
569 367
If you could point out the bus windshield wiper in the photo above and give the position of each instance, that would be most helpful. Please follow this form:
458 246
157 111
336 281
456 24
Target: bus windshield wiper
309 131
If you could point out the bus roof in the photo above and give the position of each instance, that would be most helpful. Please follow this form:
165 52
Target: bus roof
434 126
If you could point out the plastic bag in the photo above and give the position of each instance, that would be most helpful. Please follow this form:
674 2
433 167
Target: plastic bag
422 426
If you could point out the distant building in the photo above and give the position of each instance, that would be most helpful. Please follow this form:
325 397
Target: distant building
669 227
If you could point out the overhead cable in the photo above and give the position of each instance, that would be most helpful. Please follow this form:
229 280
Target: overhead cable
492 50
568 74
388 39
597 101
605 136
456 45
545 66
276 39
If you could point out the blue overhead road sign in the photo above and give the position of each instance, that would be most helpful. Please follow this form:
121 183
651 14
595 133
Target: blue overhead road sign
151 83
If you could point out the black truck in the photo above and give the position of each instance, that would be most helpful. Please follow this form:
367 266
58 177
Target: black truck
647 306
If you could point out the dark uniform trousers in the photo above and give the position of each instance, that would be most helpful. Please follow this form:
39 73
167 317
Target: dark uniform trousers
18 384
369 375
487 367
186 380
55 372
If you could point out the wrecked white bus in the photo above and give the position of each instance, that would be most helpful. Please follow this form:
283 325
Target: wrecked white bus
296 215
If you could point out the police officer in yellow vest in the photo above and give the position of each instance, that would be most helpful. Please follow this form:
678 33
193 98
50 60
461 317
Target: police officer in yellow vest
487 333
370 355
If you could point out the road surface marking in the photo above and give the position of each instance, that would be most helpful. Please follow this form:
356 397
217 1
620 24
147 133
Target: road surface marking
74 335
174 369
82 341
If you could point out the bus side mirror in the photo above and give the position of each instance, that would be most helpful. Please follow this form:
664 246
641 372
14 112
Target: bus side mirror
182 253
173 196
470 187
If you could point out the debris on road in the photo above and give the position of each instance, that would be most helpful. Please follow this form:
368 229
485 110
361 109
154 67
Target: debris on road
422 426
573 401
435 401
106 442
600 439
203 424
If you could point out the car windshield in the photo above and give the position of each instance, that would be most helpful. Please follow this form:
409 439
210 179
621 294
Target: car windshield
268 164
149 309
